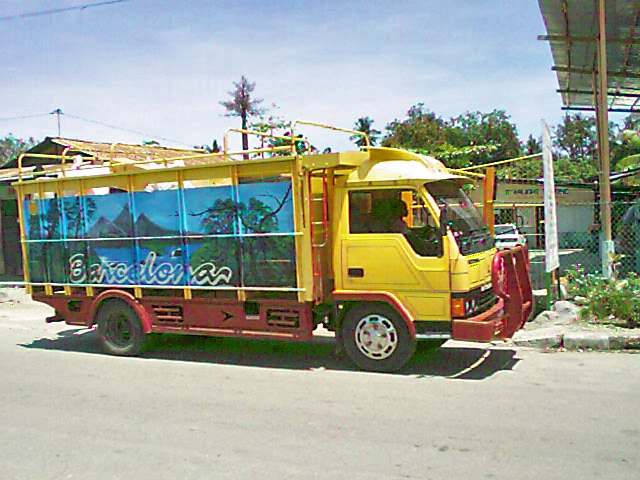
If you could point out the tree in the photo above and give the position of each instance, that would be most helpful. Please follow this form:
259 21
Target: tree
472 138
365 125
422 129
576 140
632 122
532 146
11 147
243 105
493 130
625 147
528 168
214 148
626 152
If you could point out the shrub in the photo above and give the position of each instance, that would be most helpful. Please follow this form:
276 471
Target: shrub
606 297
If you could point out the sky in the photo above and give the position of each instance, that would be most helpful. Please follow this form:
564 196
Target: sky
157 69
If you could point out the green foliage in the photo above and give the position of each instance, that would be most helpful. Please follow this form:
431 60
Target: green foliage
493 128
532 146
608 299
476 138
632 122
457 157
576 146
365 125
213 148
422 129
301 144
625 152
576 137
576 149
472 138
11 147
274 124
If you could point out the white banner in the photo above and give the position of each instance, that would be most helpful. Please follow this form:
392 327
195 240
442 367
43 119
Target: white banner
552 260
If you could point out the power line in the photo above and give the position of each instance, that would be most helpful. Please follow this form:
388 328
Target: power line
59 113
137 132
6 119
60 10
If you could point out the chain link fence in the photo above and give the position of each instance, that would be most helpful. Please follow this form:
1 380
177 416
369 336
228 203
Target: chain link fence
521 203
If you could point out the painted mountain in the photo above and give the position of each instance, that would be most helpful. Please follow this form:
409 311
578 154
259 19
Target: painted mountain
105 228
121 227
123 220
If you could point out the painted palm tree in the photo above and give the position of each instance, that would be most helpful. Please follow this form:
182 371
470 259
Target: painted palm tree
365 125
74 213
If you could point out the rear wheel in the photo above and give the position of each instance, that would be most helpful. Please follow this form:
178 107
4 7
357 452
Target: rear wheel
376 338
120 329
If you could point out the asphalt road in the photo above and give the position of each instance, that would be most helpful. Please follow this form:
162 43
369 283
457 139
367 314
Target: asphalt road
201 408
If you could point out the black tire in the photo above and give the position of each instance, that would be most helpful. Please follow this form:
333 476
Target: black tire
120 329
392 346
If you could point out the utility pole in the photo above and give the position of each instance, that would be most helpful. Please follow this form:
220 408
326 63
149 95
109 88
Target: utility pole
57 112
602 121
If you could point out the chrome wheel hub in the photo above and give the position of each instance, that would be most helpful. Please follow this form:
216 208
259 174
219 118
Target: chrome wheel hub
376 337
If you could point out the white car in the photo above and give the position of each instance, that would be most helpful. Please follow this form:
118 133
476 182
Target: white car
507 236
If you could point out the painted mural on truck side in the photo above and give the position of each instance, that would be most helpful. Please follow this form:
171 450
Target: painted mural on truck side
216 236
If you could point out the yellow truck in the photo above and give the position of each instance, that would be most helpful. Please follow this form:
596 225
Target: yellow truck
380 246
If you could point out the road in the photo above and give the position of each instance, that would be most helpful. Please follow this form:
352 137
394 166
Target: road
199 408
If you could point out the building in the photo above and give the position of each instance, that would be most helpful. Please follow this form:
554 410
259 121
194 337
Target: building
522 202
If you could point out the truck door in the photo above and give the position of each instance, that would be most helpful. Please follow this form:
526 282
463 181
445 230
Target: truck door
392 245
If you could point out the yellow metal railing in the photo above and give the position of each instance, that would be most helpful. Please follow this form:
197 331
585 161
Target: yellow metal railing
499 162
62 159
291 145
329 127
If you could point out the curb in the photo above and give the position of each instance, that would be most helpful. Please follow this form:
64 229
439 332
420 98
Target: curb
556 337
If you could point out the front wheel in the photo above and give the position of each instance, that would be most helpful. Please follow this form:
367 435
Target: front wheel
120 329
376 338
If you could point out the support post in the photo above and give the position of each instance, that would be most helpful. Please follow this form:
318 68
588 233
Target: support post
602 122
489 185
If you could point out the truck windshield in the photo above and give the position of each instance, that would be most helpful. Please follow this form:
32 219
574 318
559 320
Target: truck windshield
463 219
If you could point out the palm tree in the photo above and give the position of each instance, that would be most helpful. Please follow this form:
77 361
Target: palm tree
532 146
365 125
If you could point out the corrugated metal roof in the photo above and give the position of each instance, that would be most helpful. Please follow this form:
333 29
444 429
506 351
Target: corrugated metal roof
103 152
572 31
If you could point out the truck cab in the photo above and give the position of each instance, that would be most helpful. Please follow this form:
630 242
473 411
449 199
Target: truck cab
410 245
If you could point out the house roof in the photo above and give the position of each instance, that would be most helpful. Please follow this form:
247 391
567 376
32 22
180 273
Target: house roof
99 152
572 32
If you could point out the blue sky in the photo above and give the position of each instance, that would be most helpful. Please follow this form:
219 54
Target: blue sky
160 67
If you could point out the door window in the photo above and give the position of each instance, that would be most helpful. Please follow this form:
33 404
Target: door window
395 211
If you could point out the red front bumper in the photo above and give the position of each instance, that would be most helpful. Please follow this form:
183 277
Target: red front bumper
481 328
512 285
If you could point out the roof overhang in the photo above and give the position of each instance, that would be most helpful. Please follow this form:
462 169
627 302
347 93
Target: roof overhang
573 34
